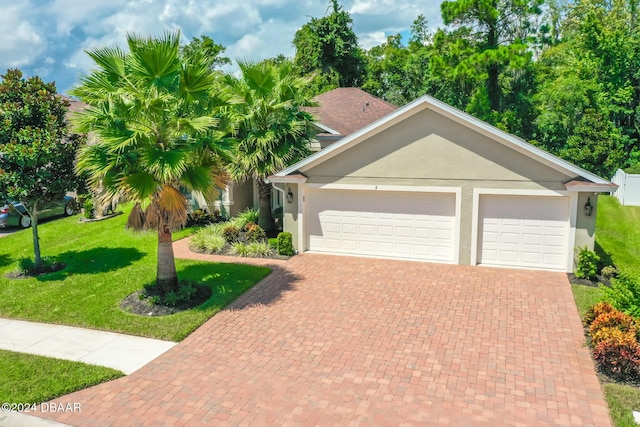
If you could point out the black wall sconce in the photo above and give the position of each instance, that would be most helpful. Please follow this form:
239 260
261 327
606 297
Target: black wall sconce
588 209
289 196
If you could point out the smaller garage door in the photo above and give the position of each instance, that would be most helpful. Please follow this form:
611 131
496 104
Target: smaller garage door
391 224
530 232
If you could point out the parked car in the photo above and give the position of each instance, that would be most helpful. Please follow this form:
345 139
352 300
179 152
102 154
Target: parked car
14 213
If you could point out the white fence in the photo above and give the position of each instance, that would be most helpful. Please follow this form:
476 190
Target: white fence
628 191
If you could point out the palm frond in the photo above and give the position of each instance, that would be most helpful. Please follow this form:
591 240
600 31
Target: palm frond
136 219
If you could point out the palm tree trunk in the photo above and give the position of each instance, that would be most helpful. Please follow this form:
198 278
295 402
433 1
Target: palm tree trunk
265 219
166 274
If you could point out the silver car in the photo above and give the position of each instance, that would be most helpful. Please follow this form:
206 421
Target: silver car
15 213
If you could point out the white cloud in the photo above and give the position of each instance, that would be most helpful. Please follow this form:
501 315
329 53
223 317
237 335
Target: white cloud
21 40
50 36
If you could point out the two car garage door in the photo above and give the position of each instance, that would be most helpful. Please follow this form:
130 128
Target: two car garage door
515 231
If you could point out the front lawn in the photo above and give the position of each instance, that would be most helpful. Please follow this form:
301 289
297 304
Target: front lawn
105 263
30 379
617 241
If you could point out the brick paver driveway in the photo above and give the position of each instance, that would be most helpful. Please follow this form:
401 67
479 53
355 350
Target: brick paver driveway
327 340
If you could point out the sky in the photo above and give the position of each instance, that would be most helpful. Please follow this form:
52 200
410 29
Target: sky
48 38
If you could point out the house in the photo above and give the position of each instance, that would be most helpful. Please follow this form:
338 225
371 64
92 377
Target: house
429 182
339 113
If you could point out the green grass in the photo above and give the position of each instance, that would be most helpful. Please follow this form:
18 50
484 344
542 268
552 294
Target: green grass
33 379
618 234
106 263
622 400
585 297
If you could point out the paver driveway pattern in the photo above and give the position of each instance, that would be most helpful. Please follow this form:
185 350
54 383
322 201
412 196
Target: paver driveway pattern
328 340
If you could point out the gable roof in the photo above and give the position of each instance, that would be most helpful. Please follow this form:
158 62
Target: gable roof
344 110
462 118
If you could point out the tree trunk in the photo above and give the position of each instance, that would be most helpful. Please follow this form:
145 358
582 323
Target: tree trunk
36 239
166 274
265 219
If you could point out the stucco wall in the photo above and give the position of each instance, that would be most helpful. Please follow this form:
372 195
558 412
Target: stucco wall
586 225
292 214
431 150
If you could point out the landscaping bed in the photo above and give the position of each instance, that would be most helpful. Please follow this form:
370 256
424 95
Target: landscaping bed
241 236
613 335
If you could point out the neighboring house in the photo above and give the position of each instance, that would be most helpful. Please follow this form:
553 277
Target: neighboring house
429 182
339 113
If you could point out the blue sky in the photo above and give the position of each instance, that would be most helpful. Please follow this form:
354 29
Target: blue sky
48 37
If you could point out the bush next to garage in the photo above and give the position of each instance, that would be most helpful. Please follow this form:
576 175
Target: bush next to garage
285 244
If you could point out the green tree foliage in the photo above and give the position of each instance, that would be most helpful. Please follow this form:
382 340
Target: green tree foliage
272 129
397 72
37 151
589 87
210 51
329 46
497 35
151 111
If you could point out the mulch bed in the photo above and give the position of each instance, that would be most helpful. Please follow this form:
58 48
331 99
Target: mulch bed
141 303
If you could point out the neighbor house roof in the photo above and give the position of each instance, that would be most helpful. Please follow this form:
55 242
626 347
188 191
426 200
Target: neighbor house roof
460 117
341 112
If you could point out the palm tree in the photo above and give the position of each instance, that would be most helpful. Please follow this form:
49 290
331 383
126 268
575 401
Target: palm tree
151 111
273 130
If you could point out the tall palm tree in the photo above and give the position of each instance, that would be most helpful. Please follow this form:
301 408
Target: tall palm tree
272 129
151 111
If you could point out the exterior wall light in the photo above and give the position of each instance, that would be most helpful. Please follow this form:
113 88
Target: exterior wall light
588 208
289 196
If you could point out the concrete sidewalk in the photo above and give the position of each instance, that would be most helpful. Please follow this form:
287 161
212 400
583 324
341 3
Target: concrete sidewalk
123 352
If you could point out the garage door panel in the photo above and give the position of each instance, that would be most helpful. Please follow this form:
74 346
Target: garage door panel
523 231
390 224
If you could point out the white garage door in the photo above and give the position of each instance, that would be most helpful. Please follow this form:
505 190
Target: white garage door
529 232
381 223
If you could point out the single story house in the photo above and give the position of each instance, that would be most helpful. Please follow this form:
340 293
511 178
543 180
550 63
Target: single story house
430 182
339 113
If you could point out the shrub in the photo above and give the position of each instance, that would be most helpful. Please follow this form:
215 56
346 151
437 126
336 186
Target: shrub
208 239
245 217
612 319
273 243
285 244
255 234
587 264
200 217
608 272
595 311
87 208
624 294
239 248
619 357
231 233
259 249
610 333
633 169
248 226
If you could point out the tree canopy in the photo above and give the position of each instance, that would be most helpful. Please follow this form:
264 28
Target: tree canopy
37 151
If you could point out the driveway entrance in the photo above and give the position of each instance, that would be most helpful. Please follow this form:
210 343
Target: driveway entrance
330 340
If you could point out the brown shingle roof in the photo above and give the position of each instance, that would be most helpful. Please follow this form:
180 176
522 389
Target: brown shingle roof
348 109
